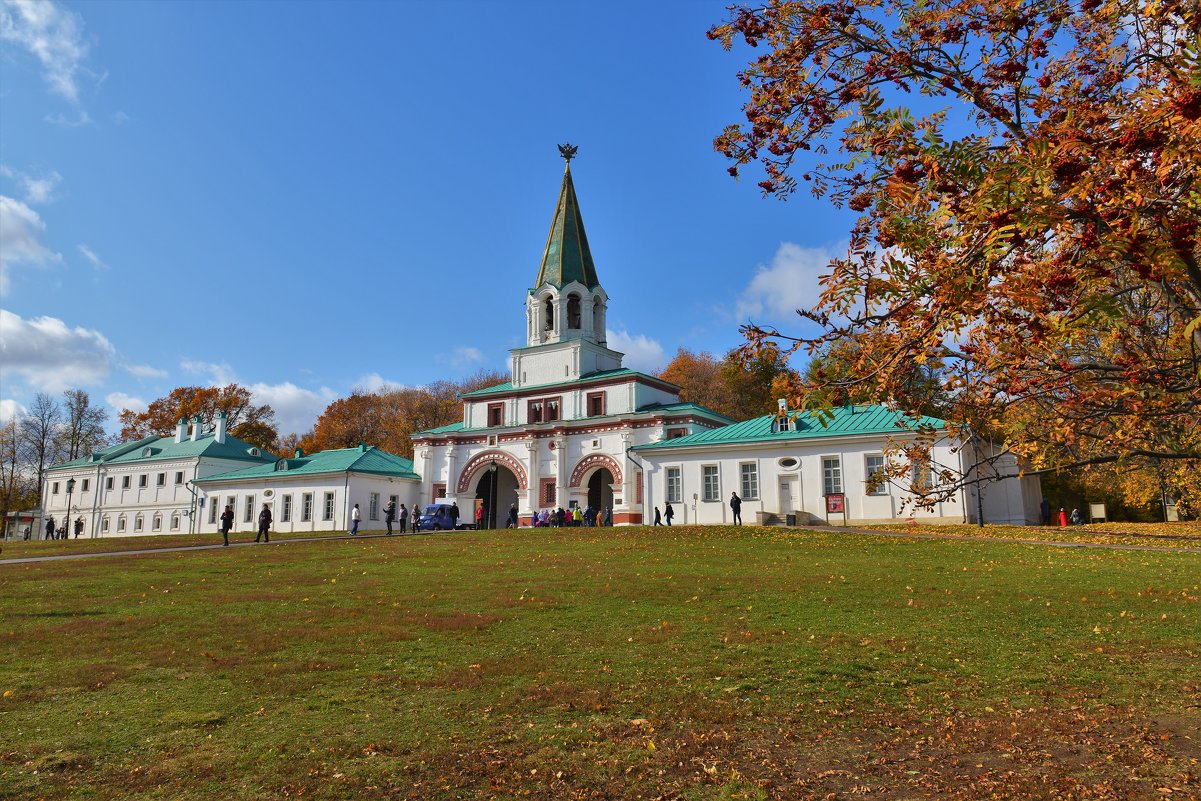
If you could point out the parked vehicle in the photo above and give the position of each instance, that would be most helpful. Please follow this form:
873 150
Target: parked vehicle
436 517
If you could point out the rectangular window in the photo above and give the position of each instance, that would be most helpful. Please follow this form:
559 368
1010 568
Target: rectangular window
373 507
675 485
496 412
231 502
328 512
306 507
143 481
710 489
749 473
178 476
161 481
124 482
873 468
831 475
248 515
285 510
86 484
548 491
108 482
552 410
439 491
596 404
213 511
676 433
54 488
534 411
925 477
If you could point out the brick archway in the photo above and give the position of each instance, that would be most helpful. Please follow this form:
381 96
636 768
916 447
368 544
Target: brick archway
481 461
592 461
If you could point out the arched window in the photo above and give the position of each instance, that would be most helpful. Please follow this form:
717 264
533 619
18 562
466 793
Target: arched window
104 524
598 316
175 522
157 523
573 311
137 523
548 317
121 524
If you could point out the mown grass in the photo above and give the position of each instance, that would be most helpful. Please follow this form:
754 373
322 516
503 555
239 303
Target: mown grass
696 663
1185 535
19 549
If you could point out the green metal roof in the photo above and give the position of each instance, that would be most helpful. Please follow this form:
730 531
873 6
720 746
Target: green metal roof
567 257
846 421
455 428
155 448
343 460
599 375
682 406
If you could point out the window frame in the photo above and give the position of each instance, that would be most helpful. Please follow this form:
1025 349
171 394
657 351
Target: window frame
306 507
84 485
248 514
156 522
54 488
600 399
328 507
868 472
285 508
710 483
178 477
373 506
750 492
831 479
126 482
160 480
673 479
143 480
496 415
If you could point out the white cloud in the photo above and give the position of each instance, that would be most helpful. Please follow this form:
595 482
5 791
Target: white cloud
91 256
119 401
144 371
790 282
296 409
63 121
51 34
9 409
374 382
641 353
50 356
219 374
20 229
39 190
462 356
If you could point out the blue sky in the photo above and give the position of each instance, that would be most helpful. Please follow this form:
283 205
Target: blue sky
309 198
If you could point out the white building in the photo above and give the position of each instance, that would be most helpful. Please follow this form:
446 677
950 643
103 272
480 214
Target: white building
312 492
817 471
559 433
143 487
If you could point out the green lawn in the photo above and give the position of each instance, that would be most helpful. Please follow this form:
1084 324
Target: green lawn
694 663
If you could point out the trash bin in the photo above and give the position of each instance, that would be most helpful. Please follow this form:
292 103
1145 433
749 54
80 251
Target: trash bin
790 520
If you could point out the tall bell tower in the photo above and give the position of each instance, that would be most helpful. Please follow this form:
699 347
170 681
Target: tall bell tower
565 309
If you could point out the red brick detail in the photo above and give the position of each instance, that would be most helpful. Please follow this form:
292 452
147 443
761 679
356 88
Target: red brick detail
632 518
638 490
439 491
482 461
593 461
543 485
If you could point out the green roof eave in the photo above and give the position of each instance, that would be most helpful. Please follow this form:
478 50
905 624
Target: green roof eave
847 422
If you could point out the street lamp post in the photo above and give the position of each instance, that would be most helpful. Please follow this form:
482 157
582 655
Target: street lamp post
492 508
67 518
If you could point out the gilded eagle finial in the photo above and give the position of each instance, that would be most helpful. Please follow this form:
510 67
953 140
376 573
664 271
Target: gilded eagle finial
567 151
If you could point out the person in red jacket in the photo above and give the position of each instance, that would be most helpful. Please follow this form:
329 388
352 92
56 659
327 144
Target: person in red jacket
1063 517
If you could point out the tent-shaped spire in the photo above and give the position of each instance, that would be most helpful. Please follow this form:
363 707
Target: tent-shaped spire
567 257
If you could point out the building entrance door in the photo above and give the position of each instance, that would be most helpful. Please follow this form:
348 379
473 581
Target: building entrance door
788 498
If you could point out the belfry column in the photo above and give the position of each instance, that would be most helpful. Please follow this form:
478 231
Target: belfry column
561 474
452 475
530 506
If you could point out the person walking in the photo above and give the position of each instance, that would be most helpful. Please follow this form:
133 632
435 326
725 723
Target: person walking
607 517
669 513
658 517
416 519
736 508
49 528
577 517
1063 518
454 515
78 527
264 524
227 522
513 516
1045 509
355 517
1076 519
390 514
404 518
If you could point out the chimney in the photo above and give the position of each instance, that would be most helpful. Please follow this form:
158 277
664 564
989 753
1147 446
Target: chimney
195 428
220 435
181 430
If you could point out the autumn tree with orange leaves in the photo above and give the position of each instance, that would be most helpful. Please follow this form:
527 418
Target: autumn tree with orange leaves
1026 177
246 420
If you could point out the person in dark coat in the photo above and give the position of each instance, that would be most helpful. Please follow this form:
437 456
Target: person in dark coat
264 524
49 528
454 515
227 522
668 513
1045 509
404 517
658 517
390 515
513 516
736 508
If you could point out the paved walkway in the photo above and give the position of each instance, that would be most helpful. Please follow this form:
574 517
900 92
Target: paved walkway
207 547
827 529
